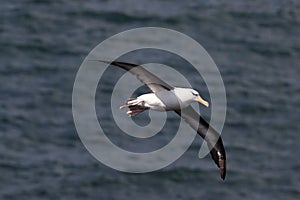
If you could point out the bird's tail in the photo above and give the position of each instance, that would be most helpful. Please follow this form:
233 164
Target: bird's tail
135 106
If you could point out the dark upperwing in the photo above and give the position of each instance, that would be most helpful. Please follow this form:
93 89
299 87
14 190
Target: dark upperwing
190 116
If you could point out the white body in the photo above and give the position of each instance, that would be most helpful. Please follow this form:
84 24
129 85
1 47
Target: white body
152 102
165 100
168 100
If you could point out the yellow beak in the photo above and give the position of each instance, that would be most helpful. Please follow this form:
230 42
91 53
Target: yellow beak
202 101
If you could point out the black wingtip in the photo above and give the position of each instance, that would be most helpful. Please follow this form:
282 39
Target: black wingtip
103 61
222 166
219 158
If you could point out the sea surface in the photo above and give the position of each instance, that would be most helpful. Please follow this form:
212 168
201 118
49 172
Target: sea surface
256 46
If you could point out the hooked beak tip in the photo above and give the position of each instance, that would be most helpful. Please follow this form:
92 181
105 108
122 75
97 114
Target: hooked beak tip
202 101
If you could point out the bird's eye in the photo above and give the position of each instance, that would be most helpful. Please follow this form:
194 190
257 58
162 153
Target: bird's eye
194 94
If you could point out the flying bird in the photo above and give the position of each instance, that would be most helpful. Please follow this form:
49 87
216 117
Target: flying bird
168 98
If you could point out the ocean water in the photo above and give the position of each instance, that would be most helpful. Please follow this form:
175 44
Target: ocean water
256 46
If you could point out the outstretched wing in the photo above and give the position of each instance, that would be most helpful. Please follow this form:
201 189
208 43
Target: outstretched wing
154 83
210 135
191 117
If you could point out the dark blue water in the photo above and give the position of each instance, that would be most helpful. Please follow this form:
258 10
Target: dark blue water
256 46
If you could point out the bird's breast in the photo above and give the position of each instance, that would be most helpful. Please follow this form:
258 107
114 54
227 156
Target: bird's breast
169 99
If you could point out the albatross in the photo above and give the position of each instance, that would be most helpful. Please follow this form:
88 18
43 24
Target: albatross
168 98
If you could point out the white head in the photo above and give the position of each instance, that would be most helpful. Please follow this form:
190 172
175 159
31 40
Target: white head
188 96
197 97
